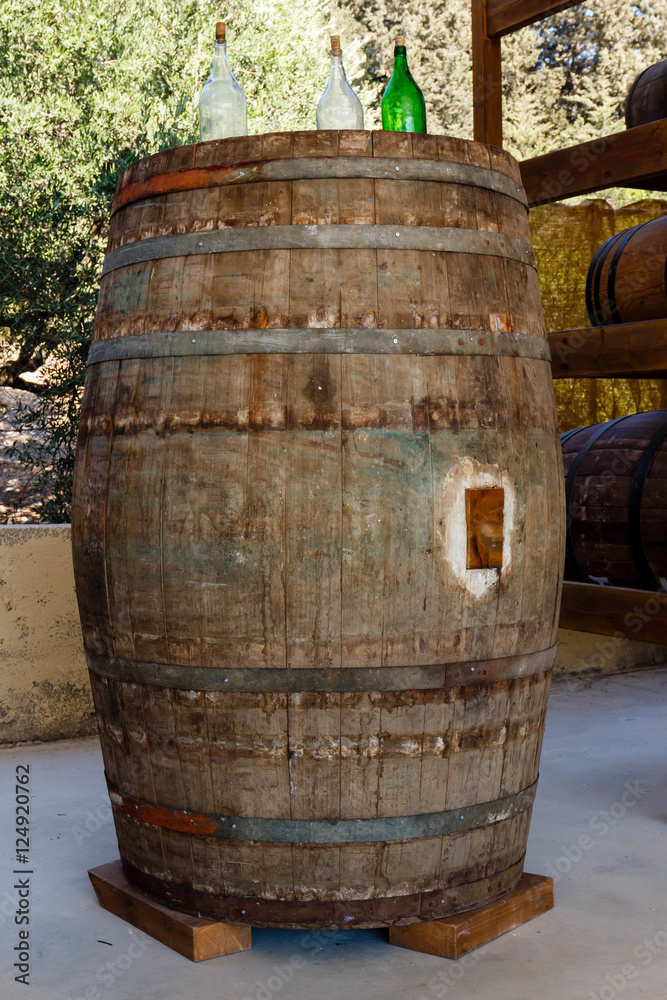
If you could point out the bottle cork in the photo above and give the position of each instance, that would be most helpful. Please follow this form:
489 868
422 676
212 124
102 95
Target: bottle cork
220 31
335 45
400 40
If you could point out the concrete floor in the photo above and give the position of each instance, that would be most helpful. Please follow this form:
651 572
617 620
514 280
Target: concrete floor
604 779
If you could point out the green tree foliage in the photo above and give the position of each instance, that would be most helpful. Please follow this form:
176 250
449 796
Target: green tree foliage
88 86
566 79
438 43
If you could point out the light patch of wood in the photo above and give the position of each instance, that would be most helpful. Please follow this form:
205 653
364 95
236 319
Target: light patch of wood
469 474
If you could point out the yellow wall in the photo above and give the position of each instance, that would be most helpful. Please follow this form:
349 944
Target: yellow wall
44 690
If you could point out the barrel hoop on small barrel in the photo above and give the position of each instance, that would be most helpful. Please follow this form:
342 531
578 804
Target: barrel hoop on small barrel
413 678
329 340
374 911
325 237
325 831
648 578
593 282
566 435
319 167
569 483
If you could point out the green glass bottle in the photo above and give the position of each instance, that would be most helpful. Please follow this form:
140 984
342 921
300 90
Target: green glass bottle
403 105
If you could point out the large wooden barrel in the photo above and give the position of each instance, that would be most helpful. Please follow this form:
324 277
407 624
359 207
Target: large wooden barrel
616 489
647 97
626 278
317 526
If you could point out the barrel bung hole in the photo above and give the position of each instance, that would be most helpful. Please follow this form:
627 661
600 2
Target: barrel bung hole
484 524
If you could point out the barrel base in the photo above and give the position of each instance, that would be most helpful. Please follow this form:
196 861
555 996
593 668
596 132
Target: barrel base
456 936
385 911
194 937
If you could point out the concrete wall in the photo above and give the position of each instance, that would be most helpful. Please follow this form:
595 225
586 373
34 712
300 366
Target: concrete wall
587 654
44 691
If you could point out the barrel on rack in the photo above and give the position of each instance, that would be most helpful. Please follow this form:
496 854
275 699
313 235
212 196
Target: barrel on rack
616 491
317 526
647 97
626 278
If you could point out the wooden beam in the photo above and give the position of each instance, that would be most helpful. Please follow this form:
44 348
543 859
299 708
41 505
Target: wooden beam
628 350
506 16
638 155
195 937
487 92
617 611
452 937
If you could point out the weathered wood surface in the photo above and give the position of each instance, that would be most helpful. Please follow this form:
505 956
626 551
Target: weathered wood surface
625 350
616 611
647 98
195 937
617 501
634 158
452 937
285 512
327 168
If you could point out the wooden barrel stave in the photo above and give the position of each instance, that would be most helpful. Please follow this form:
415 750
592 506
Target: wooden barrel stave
306 772
391 450
159 730
187 558
600 503
311 202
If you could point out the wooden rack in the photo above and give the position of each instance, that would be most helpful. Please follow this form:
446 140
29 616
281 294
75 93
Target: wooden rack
633 158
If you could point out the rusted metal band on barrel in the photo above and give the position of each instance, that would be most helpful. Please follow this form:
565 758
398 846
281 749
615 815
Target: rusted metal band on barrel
319 168
330 340
325 831
376 911
335 237
261 679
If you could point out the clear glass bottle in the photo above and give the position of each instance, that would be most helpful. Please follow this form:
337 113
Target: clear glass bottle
223 109
339 106
403 105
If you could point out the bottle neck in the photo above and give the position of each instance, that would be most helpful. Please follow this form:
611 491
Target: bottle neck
337 70
401 60
221 69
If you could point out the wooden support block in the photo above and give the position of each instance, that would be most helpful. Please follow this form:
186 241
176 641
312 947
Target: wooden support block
195 937
452 937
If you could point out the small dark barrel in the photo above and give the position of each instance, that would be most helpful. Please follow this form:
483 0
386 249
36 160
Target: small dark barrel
626 279
616 492
647 97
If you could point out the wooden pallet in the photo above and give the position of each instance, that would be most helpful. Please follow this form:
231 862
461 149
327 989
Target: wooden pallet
199 938
452 937
195 937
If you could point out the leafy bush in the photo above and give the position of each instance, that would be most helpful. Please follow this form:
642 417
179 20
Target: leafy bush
88 86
